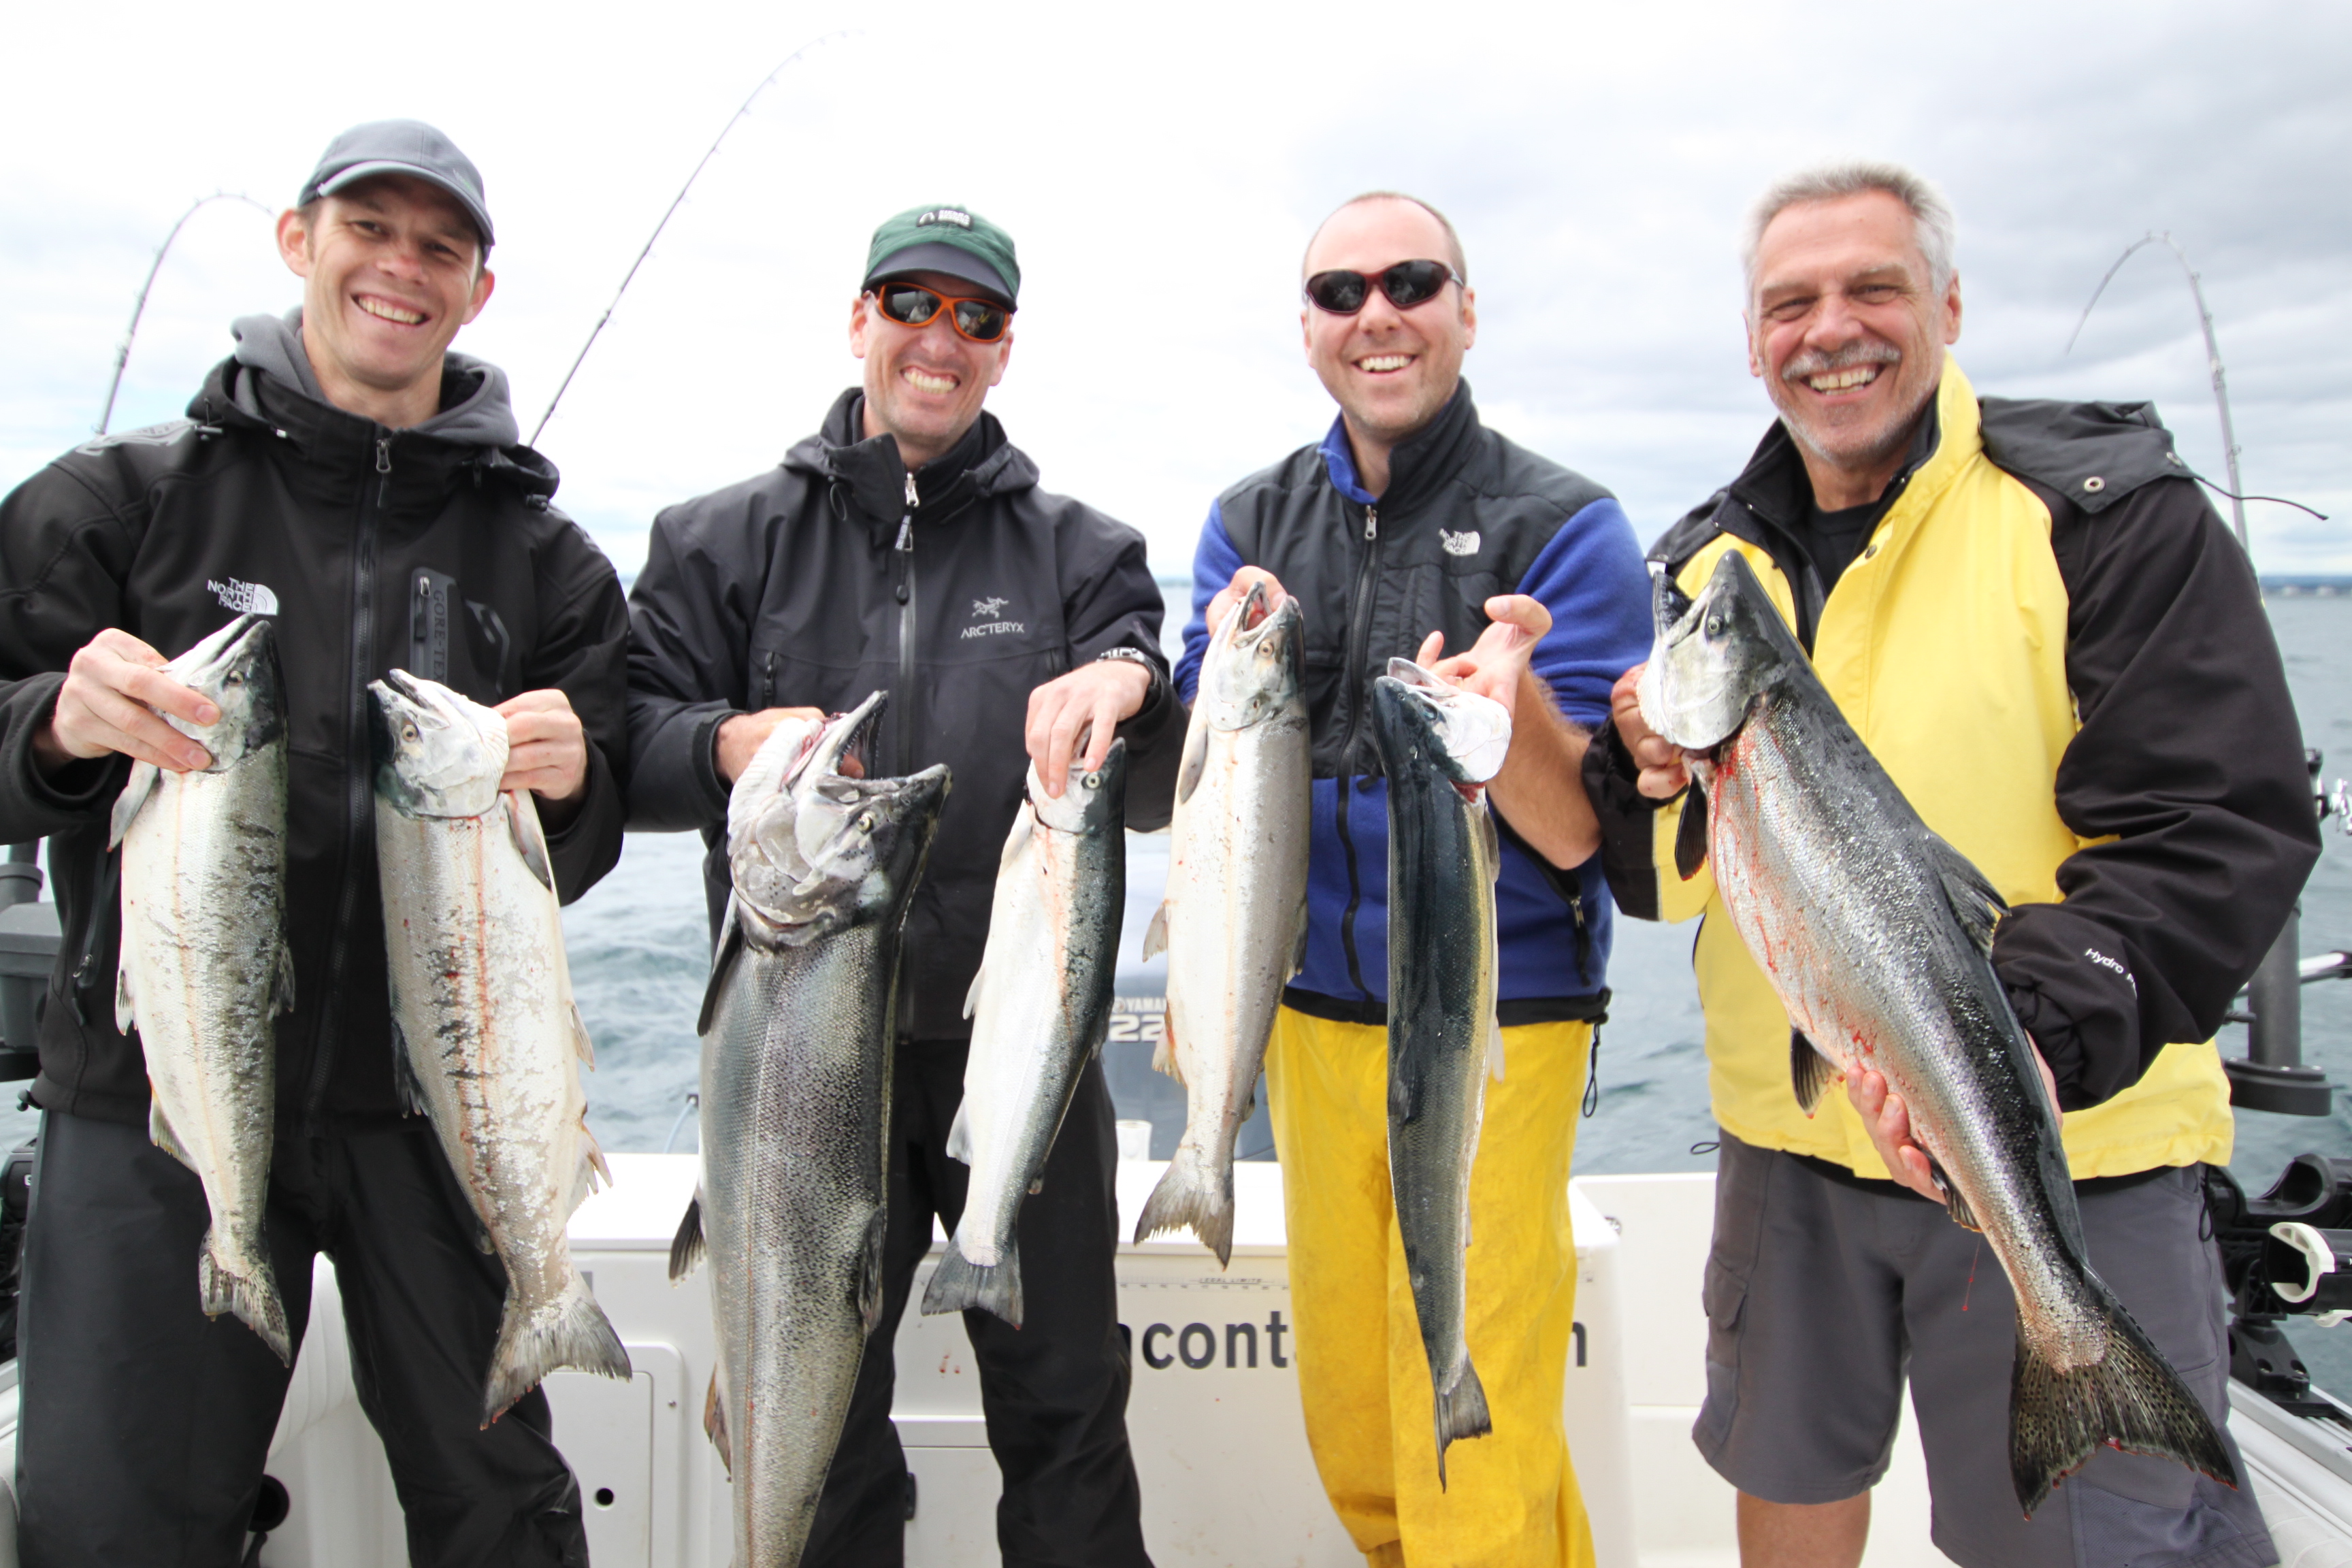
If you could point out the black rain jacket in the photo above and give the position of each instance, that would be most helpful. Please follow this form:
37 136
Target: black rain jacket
958 591
370 549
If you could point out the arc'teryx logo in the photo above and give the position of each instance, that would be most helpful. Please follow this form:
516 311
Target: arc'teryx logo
989 613
245 598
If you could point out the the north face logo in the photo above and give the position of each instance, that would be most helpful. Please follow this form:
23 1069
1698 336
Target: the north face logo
1459 544
245 598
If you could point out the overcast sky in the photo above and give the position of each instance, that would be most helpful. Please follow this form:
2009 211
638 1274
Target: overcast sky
1162 167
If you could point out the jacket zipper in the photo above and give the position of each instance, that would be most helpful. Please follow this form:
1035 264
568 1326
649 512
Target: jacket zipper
902 700
356 786
1360 637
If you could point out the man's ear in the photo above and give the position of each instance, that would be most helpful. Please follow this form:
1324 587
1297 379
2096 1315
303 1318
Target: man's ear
1755 358
1306 334
859 326
1469 316
1003 358
1952 311
483 285
294 241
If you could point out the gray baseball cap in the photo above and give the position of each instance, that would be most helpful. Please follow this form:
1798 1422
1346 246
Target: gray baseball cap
407 147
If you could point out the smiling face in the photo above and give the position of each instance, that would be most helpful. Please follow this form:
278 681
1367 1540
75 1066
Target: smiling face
924 384
1389 370
391 269
1847 328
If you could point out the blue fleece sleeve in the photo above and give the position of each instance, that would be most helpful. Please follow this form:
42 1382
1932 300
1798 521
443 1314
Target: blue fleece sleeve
1214 565
1592 578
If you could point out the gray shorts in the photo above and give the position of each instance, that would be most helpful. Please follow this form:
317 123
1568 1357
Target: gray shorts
1820 1297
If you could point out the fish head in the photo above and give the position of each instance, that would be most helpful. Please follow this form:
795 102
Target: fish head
1465 735
1092 801
235 670
1714 656
437 752
1256 667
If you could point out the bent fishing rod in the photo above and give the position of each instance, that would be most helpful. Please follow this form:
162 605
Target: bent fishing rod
131 335
675 202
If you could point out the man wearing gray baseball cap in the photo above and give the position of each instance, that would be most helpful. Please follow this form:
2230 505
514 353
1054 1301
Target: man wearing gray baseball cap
345 476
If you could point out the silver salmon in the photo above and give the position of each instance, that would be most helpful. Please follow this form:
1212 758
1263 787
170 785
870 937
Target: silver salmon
1234 921
204 969
487 1042
1877 936
1040 1007
796 1052
1439 746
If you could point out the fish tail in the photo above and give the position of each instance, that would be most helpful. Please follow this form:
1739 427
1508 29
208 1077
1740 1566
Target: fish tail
961 1283
1196 1190
2131 1398
1461 1413
252 1295
573 1333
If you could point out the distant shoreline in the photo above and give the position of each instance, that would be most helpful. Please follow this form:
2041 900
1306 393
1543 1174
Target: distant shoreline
2307 587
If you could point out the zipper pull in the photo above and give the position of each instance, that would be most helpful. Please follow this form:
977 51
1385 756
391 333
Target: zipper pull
383 454
906 544
913 501
1371 523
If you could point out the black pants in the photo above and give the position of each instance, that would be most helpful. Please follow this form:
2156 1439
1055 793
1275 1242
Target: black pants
1054 1389
144 1423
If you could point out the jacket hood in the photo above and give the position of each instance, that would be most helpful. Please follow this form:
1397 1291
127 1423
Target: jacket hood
869 478
476 424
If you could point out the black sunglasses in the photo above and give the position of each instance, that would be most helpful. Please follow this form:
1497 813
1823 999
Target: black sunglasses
912 305
1407 284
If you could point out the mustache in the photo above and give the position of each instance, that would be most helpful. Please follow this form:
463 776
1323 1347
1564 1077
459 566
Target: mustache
1813 362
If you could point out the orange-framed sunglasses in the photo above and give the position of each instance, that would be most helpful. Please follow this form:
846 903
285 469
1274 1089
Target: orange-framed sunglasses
912 305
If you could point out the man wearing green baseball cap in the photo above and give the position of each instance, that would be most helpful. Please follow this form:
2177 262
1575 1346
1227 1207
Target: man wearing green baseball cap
907 547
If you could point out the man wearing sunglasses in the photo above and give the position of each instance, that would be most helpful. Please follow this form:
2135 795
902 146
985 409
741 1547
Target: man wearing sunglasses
907 547
1411 529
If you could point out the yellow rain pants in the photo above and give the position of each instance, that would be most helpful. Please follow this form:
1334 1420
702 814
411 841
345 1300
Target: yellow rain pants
1511 1499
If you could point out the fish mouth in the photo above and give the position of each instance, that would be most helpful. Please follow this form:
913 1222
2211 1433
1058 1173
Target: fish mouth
236 666
844 746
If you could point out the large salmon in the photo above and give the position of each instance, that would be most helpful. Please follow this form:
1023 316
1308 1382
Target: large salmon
1234 920
1877 935
796 1052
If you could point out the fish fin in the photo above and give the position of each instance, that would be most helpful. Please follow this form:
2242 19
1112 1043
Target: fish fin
1036 1186
528 1348
722 961
160 1134
1809 1070
714 1423
1493 841
126 1016
1195 1192
1975 902
1195 764
1461 1414
281 990
252 1296
971 997
869 1272
960 1283
1299 947
687 1247
1164 1052
581 1046
529 841
2131 1398
1690 834
410 1088
592 1157
1404 1090
1962 1216
960 1134
1495 1051
1155 935
135 791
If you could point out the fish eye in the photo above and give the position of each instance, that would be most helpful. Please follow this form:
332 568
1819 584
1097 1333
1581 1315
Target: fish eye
408 730
1092 781
865 822
233 679
1714 626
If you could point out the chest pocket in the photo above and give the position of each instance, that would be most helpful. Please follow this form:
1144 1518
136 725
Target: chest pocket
455 640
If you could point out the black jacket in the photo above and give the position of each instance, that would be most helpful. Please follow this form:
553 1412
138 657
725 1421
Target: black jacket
819 582
2187 752
370 549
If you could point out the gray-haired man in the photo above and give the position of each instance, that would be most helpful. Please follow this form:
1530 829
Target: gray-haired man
2045 634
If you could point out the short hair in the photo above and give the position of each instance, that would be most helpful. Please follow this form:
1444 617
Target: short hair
1453 240
1931 216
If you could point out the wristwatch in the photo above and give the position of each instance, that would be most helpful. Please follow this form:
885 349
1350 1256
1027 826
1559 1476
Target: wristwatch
1126 655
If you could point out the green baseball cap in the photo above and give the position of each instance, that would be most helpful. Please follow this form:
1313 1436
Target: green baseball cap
955 240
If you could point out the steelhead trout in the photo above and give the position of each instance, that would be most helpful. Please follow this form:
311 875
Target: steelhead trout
1234 921
487 1043
1040 1007
1877 935
204 969
796 1032
1439 746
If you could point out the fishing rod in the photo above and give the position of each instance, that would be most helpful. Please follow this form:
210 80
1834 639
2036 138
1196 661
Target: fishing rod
122 355
675 202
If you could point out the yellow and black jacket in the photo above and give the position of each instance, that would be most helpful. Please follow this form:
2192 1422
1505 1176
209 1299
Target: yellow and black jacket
2061 656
